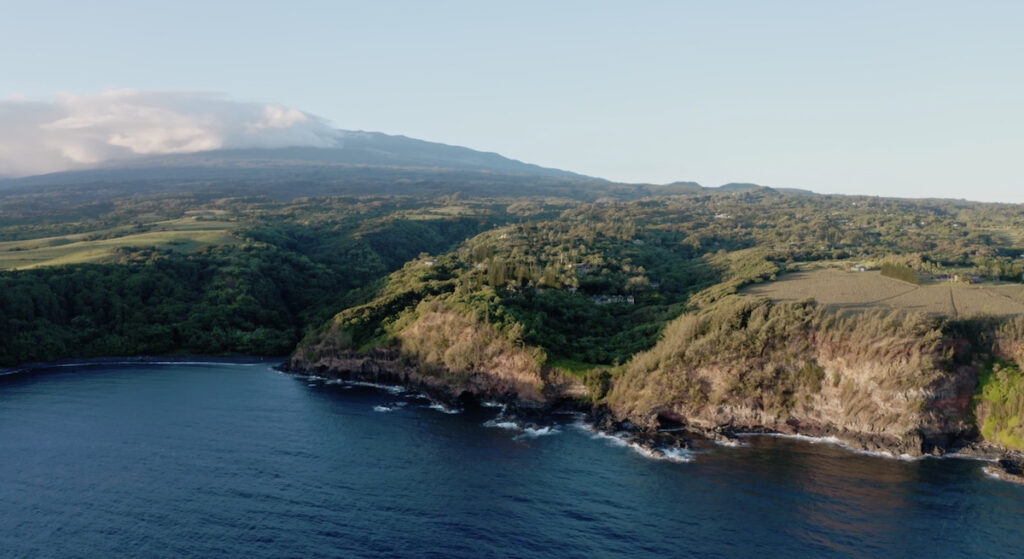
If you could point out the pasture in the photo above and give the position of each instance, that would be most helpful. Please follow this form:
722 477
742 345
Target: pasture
181 235
859 291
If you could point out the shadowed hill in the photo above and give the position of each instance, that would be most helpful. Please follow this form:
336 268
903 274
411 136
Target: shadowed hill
366 163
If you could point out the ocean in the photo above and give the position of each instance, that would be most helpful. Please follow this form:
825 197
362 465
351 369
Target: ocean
235 459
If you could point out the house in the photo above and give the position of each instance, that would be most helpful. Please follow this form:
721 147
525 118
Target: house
609 299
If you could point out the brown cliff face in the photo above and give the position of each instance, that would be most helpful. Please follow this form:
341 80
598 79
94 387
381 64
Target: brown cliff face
447 354
876 382
897 383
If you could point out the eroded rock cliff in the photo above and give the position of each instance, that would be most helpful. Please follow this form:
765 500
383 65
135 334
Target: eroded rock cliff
893 383
447 353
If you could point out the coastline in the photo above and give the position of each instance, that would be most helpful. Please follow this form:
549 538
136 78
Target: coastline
668 443
33 367
656 442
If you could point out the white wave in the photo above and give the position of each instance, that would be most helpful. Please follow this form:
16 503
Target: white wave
995 472
488 404
390 388
612 439
522 431
534 432
958 456
496 423
837 442
443 408
383 409
729 443
680 455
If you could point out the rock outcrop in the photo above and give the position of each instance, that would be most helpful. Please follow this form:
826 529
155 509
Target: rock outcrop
900 384
448 355
875 382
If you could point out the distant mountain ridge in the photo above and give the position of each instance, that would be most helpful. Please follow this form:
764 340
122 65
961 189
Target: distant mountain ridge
357 149
365 163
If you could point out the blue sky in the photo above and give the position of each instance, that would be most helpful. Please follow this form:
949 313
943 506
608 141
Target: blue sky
890 98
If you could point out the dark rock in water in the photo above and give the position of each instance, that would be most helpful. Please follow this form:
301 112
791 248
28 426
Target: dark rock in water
658 442
1013 464
524 412
603 419
1009 467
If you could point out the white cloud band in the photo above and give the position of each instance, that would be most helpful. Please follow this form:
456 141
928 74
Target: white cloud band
79 130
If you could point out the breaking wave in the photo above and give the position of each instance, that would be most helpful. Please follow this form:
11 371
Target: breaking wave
671 454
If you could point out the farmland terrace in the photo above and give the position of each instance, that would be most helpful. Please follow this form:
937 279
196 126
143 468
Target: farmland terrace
859 291
181 235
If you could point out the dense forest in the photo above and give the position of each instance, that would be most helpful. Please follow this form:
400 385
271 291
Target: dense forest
636 298
591 282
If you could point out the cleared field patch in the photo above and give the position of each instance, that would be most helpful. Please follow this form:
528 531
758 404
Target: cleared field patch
834 288
860 291
1009 293
182 235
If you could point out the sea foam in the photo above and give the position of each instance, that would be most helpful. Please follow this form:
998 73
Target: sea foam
443 408
671 454
837 442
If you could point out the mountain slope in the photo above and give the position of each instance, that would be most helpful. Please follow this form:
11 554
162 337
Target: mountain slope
364 163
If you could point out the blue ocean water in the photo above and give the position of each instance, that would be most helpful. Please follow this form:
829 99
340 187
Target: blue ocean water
238 460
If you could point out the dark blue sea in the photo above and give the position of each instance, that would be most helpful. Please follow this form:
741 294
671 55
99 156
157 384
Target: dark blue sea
238 460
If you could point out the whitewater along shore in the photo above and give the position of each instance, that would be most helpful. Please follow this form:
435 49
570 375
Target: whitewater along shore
528 401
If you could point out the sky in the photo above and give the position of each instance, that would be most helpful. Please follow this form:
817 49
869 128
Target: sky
895 98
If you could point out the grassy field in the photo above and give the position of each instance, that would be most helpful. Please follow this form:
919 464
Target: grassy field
182 235
858 291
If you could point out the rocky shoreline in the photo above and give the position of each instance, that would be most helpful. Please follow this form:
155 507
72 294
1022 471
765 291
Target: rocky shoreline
663 436
1009 467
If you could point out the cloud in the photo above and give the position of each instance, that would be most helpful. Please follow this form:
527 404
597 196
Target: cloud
75 131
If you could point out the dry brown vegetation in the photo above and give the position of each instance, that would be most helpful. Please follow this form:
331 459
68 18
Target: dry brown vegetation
446 340
748 362
839 290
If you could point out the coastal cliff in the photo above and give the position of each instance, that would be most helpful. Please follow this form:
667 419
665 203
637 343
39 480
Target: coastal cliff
905 384
447 354
891 383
